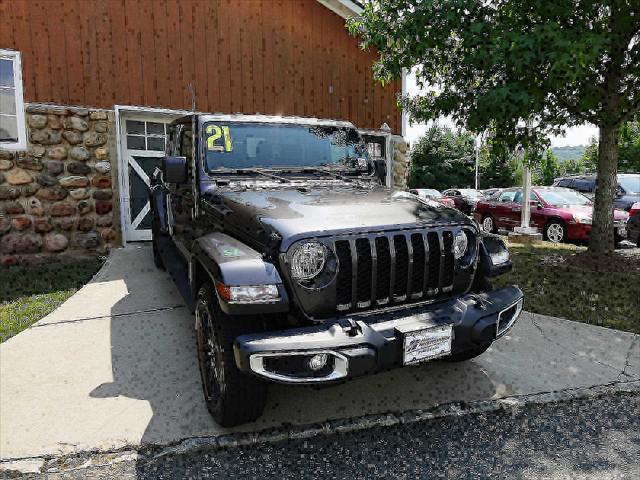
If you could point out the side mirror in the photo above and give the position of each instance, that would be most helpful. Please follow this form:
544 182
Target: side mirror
539 205
174 169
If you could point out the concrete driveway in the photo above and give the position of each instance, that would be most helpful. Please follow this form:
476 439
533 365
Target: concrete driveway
115 366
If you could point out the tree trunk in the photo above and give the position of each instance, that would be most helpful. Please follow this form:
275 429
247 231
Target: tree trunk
601 238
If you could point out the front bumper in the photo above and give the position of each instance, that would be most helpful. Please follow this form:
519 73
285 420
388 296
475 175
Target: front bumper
581 231
365 343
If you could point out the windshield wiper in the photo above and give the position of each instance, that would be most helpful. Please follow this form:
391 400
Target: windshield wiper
259 171
326 171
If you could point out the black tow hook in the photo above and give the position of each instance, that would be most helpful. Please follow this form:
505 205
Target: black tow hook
479 302
350 326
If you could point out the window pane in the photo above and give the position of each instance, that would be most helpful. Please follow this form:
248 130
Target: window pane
135 143
155 143
8 129
155 128
133 126
7 101
6 72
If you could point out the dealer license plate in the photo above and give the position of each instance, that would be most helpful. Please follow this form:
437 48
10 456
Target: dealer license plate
426 344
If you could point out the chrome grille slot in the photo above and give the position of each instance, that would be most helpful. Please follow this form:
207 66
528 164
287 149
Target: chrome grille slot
383 278
343 295
417 275
433 281
402 267
364 269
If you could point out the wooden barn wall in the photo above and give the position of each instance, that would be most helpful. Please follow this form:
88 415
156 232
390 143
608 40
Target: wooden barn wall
291 57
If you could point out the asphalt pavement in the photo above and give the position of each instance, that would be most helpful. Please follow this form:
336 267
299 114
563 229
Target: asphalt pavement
582 439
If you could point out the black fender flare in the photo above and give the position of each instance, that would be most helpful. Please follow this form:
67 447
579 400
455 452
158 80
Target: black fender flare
492 248
232 263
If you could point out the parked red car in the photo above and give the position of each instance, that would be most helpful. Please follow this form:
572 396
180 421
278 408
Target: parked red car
560 213
465 199
633 224
432 194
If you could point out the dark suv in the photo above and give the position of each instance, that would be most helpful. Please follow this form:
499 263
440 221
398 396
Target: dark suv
627 194
301 268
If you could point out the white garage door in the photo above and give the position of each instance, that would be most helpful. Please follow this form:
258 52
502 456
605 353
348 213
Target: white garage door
142 144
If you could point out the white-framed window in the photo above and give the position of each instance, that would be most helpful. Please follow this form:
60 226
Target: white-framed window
13 131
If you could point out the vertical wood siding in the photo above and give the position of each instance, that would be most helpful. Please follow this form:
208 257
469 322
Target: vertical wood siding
290 57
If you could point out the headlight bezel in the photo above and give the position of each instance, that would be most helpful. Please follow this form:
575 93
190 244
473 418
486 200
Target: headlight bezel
460 239
323 276
469 255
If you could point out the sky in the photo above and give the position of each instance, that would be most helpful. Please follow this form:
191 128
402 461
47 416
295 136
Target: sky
573 136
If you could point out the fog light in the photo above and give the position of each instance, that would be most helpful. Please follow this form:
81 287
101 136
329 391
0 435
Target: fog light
318 361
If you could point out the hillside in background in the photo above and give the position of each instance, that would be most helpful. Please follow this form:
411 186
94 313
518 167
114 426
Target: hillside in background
567 153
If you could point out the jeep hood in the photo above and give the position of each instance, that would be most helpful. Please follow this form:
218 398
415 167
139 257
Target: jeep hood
298 213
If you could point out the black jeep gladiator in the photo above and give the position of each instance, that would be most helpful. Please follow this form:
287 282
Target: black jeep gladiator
302 268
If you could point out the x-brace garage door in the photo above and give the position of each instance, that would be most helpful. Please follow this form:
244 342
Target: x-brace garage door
142 144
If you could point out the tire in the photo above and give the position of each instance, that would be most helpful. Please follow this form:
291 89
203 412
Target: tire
232 397
616 240
555 231
157 259
489 219
468 354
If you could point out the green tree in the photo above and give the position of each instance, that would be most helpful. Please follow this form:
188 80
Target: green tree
547 169
628 148
442 159
574 167
496 168
527 68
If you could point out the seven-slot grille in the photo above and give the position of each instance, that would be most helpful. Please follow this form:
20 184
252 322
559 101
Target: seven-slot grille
393 268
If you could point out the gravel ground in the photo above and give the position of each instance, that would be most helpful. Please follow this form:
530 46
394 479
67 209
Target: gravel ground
596 438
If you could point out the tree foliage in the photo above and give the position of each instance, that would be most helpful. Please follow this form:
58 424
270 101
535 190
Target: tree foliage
524 68
442 159
505 62
628 149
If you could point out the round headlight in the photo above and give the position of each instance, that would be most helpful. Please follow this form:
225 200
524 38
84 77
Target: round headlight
308 261
460 244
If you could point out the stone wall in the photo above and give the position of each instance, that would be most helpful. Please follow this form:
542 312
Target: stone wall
57 198
400 158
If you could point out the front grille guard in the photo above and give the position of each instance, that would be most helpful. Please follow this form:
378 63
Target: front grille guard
388 268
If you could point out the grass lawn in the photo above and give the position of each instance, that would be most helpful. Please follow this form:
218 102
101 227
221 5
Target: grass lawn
563 281
28 293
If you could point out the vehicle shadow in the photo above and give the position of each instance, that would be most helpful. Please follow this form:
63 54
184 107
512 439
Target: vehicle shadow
153 359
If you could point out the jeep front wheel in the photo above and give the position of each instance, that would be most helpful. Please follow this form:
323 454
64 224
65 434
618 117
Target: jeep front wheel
232 396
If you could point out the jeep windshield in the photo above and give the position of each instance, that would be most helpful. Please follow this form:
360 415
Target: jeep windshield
251 146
